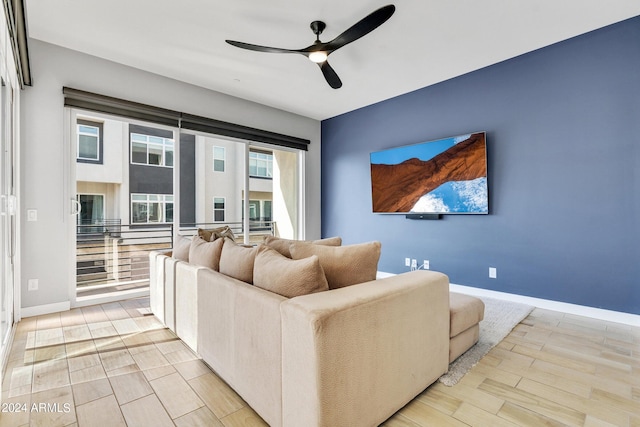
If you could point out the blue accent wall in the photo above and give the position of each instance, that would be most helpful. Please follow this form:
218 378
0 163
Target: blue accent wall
563 142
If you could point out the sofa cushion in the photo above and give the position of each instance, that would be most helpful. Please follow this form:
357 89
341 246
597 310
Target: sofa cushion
465 311
283 245
216 233
237 261
205 254
343 265
287 277
181 248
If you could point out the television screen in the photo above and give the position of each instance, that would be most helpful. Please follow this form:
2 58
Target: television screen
446 176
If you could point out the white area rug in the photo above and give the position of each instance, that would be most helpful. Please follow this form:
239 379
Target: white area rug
500 317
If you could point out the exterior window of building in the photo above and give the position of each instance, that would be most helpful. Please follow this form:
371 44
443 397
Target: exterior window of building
91 208
89 144
218 159
254 210
259 210
218 209
151 150
260 164
266 214
151 208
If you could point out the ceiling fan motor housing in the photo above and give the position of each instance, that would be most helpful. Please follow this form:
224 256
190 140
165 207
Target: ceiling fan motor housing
318 27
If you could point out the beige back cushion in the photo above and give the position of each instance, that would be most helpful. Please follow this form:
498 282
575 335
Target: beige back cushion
283 245
205 254
237 261
181 248
343 265
287 277
216 233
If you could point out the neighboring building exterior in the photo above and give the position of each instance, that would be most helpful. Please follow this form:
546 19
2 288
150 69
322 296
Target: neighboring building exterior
125 173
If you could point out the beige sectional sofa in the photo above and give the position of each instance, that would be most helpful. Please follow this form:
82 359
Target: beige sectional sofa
347 356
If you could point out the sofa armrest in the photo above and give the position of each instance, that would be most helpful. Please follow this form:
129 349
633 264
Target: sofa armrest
156 284
355 355
170 292
186 303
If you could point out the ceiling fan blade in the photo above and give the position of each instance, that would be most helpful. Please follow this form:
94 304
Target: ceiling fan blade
259 48
362 27
330 75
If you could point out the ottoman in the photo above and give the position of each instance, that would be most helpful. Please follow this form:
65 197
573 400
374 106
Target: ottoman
466 312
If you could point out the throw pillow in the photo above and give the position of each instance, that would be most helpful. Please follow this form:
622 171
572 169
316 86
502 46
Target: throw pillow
343 265
216 233
205 254
290 278
181 248
283 245
237 261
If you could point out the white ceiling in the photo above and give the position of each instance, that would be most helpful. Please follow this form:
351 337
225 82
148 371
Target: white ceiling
424 42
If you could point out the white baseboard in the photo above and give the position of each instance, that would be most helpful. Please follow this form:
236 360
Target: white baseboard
578 310
38 310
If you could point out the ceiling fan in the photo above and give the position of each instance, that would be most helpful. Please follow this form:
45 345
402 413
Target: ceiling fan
319 51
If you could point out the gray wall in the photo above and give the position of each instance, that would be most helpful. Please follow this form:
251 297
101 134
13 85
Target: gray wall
187 179
563 143
47 243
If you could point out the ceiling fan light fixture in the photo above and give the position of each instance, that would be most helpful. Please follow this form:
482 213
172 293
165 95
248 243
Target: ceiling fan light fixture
319 50
318 56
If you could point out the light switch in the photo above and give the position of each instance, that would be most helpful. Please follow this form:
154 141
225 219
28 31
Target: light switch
32 215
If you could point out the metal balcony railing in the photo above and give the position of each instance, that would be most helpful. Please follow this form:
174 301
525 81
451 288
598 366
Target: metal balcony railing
111 256
88 229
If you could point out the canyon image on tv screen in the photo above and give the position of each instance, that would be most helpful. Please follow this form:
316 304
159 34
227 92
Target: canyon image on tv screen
445 176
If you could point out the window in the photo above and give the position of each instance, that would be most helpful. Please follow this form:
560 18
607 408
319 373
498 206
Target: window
218 209
151 150
254 210
266 215
151 208
259 210
260 164
89 143
91 208
218 159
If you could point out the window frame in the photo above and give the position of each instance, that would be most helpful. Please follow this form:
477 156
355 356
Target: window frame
255 158
223 209
223 159
163 145
162 203
99 149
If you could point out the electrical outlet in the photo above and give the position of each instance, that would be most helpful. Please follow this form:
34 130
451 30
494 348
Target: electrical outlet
414 264
32 215
425 264
32 284
407 262
493 272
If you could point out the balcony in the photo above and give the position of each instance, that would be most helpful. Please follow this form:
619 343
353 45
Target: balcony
114 257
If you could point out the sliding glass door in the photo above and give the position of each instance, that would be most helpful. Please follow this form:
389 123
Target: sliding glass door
252 188
8 207
122 191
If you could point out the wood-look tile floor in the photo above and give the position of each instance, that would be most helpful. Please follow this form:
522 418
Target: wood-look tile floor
553 369
108 365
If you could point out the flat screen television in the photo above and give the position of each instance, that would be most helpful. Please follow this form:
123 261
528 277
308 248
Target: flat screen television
445 176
